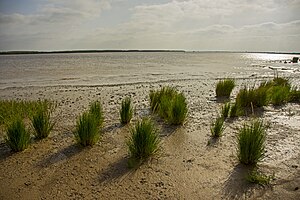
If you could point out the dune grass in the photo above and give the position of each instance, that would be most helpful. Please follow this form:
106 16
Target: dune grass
279 95
169 104
87 131
225 87
252 97
294 95
174 110
41 119
235 111
97 111
157 95
217 127
17 136
126 111
12 109
251 142
225 111
144 140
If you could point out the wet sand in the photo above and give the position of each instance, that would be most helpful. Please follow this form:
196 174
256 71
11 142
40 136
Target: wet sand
187 167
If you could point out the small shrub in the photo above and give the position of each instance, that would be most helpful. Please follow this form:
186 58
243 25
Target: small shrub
225 87
126 111
144 140
217 127
251 142
41 120
225 110
17 137
259 178
97 112
279 95
87 129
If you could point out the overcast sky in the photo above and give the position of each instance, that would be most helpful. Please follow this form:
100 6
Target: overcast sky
246 25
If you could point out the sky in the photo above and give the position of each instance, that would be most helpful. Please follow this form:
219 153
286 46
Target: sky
204 25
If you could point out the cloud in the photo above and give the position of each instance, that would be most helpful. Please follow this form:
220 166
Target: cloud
179 24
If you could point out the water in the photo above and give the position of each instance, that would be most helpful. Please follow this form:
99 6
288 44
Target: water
120 68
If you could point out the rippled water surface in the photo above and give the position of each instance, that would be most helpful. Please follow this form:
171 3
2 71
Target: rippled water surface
119 68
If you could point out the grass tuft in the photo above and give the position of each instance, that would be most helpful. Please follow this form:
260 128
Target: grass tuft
144 140
279 95
97 111
225 87
294 95
17 137
235 110
126 111
217 127
41 121
12 109
156 96
252 97
251 142
225 110
87 131
169 104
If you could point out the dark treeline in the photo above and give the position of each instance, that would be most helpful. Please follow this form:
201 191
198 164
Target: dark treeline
125 51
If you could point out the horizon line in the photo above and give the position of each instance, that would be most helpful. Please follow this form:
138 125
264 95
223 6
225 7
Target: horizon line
135 50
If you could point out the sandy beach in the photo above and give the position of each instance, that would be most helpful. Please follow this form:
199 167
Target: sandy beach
190 165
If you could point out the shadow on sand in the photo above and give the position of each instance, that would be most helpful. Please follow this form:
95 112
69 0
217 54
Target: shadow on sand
116 171
236 186
61 155
5 151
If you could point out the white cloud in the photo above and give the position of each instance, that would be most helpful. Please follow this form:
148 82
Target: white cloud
180 24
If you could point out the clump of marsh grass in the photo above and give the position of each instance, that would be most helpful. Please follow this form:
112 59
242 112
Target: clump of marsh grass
280 81
144 140
41 121
225 110
87 131
157 95
169 104
97 111
279 95
294 95
126 111
11 109
250 98
217 127
174 110
225 87
17 136
235 110
259 178
251 142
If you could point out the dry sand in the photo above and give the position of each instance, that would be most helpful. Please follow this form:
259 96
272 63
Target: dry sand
186 167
